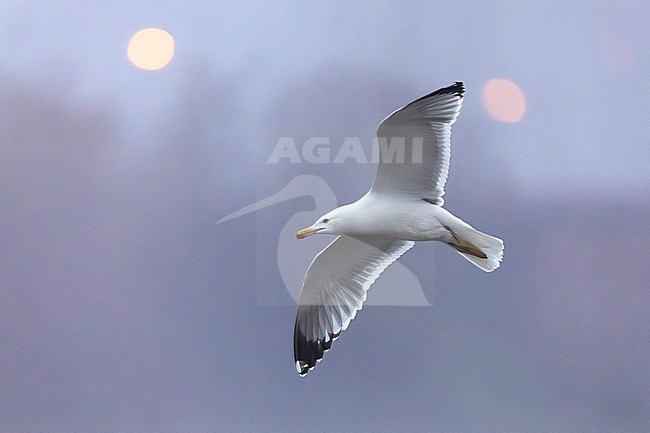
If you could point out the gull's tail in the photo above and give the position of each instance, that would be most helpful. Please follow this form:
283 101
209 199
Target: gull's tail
483 250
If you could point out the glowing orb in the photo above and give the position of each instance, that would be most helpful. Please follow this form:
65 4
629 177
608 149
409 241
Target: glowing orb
504 100
151 49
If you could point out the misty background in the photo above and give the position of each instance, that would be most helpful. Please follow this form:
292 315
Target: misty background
123 307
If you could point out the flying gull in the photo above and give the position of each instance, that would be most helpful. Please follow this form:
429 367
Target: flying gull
403 206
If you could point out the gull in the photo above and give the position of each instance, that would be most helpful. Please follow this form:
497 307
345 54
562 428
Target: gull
403 206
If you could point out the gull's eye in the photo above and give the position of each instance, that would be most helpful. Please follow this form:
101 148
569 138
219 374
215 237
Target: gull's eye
325 221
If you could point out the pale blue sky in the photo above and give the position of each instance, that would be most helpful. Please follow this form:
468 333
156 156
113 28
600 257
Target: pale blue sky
123 307
565 56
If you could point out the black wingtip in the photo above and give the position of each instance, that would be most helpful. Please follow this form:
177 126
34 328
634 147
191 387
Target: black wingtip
308 353
458 88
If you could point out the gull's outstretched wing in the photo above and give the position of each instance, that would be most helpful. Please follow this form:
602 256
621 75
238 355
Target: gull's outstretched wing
334 290
415 146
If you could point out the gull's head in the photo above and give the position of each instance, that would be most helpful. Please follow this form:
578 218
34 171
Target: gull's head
324 225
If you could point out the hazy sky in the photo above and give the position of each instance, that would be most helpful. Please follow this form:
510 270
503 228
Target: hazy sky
123 307
565 57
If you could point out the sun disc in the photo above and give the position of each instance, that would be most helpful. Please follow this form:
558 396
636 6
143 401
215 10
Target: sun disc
504 100
151 49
